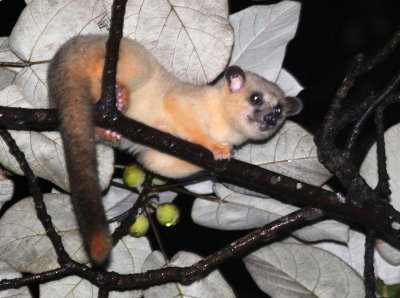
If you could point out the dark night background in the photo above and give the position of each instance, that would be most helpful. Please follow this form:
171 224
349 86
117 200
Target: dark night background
330 33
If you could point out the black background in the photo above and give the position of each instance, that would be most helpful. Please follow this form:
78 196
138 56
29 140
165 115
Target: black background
330 33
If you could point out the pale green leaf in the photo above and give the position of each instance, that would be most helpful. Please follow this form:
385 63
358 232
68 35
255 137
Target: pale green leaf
7 74
261 36
238 211
213 285
191 39
291 152
294 270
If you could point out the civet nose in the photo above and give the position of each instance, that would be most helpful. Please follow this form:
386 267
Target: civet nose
270 119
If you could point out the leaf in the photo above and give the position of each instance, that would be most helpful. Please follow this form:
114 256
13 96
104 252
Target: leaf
6 188
237 211
293 270
388 253
387 262
41 29
23 242
44 151
127 257
261 36
6 272
25 246
7 74
71 286
353 254
290 152
385 271
130 254
288 83
154 261
205 187
192 39
74 286
213 285
369 168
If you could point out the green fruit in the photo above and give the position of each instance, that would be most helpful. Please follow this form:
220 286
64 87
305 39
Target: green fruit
158 181
133 175
167 214
140 226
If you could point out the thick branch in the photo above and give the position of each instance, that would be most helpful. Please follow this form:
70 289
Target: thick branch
251 176
112 280
28 119
380 216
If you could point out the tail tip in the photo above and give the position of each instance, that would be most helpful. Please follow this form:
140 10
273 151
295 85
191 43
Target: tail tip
100 247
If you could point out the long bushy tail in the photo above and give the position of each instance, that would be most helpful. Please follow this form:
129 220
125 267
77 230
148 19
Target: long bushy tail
69 88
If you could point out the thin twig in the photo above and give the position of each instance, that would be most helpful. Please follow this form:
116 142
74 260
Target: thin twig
37 195
384 53
137 209
382 187
355 111
369 272
341 93
22 64
383 190
357 69
157 235
103 293
388 90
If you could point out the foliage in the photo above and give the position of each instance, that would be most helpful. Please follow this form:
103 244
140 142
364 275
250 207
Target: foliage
194 41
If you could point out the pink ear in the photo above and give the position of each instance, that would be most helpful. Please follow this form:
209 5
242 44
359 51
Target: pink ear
237 83
235 77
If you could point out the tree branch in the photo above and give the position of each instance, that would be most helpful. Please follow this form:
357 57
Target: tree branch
107 101
37 195
382 188
237 172
184 275
339 163
333 158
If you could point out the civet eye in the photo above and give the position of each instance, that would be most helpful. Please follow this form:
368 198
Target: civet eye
278 109
256 99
